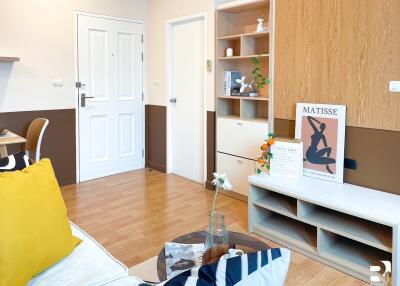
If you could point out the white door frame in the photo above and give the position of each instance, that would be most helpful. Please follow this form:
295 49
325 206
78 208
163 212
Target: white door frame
170 23
77 139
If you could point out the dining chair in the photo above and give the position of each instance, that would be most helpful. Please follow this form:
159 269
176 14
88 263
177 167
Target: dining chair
34 138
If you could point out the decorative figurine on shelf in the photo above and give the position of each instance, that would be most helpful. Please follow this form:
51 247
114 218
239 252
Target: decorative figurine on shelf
263 162
243 84
259 79
260 26
229 52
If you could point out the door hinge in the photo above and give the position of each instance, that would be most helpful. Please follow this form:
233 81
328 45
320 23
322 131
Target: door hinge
142 152
142 57
142 38
142 96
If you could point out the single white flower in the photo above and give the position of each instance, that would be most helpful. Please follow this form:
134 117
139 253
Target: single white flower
222 181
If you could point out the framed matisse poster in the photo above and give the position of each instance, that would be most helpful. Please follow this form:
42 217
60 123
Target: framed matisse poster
322 127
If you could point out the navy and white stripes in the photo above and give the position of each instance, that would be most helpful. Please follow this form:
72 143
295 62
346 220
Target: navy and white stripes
267 267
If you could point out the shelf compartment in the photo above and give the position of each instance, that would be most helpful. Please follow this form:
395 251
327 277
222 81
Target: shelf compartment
228 107
240 19
371 233
251 109
255 45
233 43
350 253
286 229
276 202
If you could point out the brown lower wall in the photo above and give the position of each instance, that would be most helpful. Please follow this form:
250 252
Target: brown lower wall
156 137
156 140
58 141
376 151
211 147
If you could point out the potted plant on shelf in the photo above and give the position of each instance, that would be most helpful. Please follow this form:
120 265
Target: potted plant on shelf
260 80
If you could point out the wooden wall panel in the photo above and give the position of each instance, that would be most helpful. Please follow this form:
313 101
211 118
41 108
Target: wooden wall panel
339 52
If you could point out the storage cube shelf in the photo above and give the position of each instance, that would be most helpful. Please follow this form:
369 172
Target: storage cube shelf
318 219
350 253
236 29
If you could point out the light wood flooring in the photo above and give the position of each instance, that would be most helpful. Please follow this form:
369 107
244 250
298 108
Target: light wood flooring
134 213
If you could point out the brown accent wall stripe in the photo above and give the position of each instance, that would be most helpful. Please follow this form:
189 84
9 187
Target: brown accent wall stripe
210 148
58 142
376 152
156 137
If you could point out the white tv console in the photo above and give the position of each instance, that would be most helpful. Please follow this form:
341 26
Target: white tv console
345 226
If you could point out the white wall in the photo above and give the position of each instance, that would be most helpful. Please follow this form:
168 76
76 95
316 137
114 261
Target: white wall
41 33
159 12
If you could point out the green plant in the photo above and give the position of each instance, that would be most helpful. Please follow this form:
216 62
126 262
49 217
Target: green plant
259 79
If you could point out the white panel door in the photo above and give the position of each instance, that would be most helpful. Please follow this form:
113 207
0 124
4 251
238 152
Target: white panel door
188 91
111 118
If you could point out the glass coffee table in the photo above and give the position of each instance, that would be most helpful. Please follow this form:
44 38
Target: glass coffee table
236 240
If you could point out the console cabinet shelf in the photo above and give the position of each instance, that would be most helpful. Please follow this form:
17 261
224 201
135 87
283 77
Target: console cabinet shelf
347 227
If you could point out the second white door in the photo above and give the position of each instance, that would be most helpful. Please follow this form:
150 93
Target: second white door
187 100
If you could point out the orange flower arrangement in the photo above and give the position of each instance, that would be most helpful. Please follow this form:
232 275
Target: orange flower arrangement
266 155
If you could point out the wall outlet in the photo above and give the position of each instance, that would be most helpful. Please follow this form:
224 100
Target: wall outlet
58 82
394 86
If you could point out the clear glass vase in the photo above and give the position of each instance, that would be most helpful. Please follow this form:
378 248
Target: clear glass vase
217 235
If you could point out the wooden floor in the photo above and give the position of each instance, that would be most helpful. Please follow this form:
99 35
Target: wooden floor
134 213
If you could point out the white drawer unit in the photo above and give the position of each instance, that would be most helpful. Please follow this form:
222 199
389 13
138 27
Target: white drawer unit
238 171
241 137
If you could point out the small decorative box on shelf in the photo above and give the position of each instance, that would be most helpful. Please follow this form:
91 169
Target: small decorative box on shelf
348 227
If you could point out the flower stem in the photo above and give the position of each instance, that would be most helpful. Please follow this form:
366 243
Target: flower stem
214 201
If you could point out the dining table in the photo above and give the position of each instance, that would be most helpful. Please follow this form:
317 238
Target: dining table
7 138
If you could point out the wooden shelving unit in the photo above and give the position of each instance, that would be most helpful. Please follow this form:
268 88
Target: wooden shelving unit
9 59
242 121
236 29
337 224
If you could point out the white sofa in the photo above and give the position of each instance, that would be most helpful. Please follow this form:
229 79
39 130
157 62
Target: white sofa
89 264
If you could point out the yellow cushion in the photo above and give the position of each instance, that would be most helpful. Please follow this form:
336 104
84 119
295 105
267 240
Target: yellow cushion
34 228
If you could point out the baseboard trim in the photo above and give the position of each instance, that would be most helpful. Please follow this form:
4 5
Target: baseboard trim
210 186
156 166
235 196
